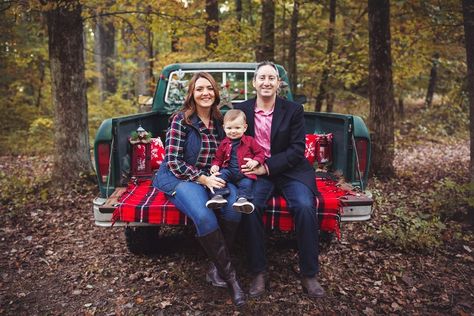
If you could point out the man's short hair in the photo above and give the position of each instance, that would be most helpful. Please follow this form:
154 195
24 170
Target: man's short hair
234 114
265 63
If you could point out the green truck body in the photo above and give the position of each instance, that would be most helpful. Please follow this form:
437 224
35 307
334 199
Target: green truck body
351 142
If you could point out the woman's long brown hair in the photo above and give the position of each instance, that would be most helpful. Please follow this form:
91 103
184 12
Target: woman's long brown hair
189 105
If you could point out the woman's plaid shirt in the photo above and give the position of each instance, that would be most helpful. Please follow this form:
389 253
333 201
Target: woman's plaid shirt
175 139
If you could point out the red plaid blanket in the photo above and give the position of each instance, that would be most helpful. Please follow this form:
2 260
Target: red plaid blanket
142 203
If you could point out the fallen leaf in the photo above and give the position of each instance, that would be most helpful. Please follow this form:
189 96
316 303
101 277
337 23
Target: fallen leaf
165 304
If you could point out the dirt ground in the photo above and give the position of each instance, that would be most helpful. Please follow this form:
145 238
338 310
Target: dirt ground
55 261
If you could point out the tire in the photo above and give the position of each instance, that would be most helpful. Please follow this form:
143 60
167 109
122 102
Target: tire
142 240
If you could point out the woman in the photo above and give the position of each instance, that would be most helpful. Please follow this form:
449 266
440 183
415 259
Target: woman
191 142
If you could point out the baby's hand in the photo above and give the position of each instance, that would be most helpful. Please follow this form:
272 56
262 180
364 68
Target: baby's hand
214 169
251 164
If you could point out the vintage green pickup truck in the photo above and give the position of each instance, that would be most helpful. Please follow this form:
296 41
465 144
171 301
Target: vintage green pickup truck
342 147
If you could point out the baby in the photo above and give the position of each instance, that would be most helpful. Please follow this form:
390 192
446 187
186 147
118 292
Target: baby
235 151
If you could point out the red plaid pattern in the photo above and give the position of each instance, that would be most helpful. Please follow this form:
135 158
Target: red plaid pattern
175 139
142 203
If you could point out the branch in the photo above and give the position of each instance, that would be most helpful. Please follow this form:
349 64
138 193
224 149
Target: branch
8 5
132 29
159 14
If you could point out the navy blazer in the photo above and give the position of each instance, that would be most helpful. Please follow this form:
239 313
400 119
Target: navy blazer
287 141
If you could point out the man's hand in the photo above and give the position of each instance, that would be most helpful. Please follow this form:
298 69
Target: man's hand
259 170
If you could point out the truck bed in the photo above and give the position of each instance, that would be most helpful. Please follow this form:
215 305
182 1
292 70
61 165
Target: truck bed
141 203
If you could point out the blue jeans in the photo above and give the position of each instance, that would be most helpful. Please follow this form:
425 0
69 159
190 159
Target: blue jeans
190 198
234 176
300 201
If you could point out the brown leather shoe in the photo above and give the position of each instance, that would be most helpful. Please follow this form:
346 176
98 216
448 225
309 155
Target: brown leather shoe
311 287
257 287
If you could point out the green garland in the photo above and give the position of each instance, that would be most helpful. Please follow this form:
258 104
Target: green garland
134 136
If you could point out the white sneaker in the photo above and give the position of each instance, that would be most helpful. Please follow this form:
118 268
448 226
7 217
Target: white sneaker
243 205
216 202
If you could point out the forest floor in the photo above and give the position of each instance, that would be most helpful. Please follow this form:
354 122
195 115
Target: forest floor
55 261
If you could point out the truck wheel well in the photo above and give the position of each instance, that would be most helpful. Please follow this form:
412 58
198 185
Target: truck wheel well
142 240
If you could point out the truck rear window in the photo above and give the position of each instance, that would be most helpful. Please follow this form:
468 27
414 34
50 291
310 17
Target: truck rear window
235 85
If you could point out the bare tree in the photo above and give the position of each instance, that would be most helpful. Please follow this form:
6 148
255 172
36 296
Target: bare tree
145 56
401 106
212 26
468 14
104 55
292 71
432 82
382 102
66 54
266 49
238 11
322 94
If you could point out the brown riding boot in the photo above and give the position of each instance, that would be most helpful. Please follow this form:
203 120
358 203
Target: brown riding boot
213 277
215 247
229 230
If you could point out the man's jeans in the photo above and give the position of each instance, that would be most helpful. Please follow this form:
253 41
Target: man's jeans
234 176
191 198
300 201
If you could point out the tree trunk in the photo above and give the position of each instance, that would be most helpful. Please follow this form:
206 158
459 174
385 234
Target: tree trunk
174 39
66 54
104 53
322 94
212 26
292 71
285 47
401 107
238 13
432 82
331 98
468 14
249 12
151 59
145 57
381 97
266 49
42 74
145 80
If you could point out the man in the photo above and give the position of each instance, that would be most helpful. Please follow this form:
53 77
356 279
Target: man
278 126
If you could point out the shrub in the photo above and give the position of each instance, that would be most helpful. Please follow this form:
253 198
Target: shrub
18 190
412 231
450 199
439 121
41 136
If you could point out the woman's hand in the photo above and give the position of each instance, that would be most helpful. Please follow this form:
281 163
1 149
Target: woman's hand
212 181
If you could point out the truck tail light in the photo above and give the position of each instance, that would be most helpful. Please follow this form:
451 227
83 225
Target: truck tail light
103 154
362 145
